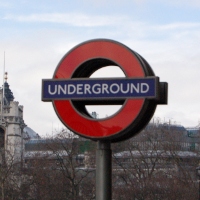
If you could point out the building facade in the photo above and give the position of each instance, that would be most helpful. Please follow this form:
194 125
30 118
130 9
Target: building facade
13 130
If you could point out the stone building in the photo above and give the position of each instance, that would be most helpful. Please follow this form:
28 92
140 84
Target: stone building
13 130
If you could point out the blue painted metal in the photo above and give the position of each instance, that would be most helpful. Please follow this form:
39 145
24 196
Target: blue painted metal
54 89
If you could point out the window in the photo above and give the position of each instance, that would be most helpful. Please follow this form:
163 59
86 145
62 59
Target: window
2 138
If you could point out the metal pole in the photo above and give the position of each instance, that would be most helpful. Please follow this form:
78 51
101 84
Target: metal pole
103 171
199 185
2 99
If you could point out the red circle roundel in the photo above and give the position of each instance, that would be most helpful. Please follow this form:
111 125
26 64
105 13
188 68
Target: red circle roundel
120 125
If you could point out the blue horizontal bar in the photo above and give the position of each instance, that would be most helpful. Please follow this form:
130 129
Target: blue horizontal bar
118 88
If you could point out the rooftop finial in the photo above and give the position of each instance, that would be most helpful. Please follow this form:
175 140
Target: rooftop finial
6 76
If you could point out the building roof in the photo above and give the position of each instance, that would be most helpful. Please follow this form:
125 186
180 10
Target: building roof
7 94
30 134
156 153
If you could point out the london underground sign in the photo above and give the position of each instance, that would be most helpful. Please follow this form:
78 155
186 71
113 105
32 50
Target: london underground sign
71 89
98 88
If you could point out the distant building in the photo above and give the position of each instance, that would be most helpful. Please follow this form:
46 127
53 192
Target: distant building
13 130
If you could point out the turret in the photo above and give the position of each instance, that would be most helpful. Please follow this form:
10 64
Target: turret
11 125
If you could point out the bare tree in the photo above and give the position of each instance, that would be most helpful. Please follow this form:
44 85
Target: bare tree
153 167
59 171
10 177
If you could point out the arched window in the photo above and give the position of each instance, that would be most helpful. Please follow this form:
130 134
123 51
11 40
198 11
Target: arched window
2 137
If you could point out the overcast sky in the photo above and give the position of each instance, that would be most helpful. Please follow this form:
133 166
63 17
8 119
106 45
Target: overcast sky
35 35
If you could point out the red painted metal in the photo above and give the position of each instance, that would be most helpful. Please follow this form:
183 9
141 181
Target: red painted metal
98 128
